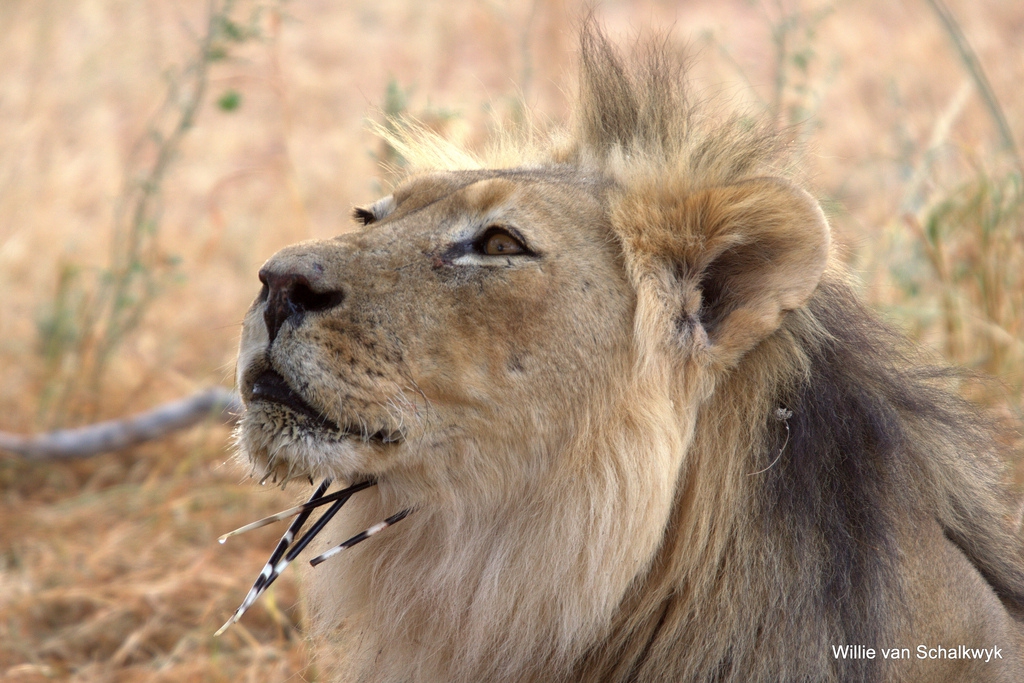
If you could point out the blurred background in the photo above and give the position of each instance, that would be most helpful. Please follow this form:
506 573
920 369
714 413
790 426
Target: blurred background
154 154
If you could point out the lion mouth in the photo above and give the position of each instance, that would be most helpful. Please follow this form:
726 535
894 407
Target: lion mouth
270 387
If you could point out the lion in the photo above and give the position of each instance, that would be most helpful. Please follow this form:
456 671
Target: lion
645 428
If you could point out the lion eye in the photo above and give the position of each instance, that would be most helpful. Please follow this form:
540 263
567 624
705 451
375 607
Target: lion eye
497 242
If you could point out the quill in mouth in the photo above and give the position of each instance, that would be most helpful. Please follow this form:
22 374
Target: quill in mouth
286 551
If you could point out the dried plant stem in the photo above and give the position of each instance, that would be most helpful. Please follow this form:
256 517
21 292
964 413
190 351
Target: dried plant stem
916 196
135 238
137 267
973 65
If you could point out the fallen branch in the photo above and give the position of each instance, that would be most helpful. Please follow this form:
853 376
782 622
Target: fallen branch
114 435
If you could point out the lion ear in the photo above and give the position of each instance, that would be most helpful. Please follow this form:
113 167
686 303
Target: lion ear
762 248
733 260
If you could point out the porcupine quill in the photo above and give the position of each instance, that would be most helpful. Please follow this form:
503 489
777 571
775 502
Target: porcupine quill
285 552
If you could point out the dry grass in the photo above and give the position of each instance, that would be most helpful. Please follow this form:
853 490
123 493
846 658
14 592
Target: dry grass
118 578
109 569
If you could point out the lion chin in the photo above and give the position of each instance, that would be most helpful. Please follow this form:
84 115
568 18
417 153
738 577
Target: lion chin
645 428
288 439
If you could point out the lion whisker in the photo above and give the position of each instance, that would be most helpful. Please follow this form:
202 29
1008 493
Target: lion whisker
395 412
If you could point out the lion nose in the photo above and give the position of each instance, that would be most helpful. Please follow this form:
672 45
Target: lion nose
289 296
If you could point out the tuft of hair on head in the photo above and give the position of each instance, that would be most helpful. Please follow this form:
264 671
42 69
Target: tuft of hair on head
636 106
632 115
422 148
638 114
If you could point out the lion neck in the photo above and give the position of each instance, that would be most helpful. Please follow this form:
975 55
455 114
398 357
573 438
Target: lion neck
515 586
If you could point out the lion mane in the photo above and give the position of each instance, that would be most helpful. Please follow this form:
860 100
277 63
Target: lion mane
646 428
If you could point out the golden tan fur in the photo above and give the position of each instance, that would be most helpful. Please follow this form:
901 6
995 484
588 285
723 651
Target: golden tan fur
663 443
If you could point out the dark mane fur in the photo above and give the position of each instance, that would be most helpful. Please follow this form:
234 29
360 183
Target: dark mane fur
875 441
868 431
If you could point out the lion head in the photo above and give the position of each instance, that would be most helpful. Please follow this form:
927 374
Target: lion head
645 430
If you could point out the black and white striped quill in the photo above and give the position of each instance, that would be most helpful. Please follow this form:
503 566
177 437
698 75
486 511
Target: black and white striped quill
285 552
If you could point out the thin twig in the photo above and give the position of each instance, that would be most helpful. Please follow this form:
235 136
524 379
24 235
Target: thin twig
970 59
782 415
